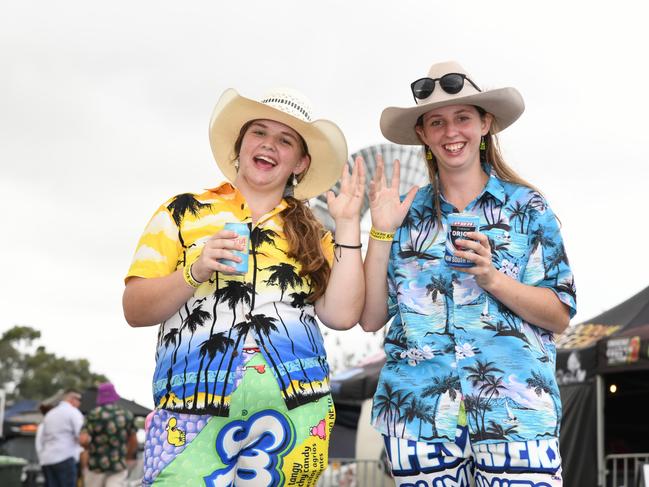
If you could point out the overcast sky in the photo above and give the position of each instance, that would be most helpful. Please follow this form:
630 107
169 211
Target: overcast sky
104 109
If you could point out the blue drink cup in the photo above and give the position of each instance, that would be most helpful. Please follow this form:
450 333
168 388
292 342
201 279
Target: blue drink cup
458 225
243 232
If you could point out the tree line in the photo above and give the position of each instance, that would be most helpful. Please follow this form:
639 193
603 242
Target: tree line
29 371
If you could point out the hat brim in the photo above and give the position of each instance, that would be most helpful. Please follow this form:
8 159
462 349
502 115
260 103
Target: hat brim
505 104
325 141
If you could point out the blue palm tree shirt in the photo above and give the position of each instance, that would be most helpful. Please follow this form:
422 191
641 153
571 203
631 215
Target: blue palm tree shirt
200 347
451 343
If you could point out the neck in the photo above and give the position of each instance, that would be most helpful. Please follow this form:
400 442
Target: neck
461 188
258 202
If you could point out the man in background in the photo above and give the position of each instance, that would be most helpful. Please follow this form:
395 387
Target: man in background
109 436
59 441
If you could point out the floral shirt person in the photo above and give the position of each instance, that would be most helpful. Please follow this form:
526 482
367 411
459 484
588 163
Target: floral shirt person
451 346
109 427
200 347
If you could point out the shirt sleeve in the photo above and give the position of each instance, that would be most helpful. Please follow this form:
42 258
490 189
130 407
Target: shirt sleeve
548 264
159 248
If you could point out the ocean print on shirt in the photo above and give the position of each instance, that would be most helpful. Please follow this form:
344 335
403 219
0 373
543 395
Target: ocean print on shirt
451 342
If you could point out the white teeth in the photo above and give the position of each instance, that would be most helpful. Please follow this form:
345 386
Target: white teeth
454 147
267 159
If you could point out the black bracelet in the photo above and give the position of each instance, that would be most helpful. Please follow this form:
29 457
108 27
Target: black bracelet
343 246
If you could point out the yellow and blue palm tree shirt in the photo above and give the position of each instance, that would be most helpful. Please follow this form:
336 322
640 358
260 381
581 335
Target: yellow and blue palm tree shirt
450 341
200 347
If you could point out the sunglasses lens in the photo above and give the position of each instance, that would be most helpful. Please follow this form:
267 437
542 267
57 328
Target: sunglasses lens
452 83
422 88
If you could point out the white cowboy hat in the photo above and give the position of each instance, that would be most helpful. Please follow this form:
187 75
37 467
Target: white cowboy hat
505 104
325 141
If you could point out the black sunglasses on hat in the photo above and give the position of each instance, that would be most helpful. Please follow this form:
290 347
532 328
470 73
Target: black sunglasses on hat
451 83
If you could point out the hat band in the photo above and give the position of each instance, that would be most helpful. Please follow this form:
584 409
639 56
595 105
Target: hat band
291 104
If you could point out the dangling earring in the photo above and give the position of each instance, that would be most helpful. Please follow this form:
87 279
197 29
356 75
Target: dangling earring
294 181
429 154
483 145
236 163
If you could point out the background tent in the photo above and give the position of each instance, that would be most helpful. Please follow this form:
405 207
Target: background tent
608 351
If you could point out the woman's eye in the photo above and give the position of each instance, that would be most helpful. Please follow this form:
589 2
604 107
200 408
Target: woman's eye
436 123
285 141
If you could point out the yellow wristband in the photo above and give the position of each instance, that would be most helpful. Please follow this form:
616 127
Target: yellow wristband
383 236
189 279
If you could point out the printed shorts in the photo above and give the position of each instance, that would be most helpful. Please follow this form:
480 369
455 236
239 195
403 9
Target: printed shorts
262 443
534 463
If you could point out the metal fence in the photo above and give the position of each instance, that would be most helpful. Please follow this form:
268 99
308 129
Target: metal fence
626 470
352 472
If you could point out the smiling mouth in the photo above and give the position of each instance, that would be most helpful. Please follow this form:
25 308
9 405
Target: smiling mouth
265 161
453 148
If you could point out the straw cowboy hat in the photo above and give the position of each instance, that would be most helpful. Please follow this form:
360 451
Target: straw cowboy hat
398 124
325 141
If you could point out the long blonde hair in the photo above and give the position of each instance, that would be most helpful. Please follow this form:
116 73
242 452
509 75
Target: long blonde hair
303 232
490 155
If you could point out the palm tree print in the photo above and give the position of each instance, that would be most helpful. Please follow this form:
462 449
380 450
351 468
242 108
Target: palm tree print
262 236
197 317
384 405
242 328
263 326
542 385
184 203
179 207
482 374
449 384
442 285
496 431
217 343
284 276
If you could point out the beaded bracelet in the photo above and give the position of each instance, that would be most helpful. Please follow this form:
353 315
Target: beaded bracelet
343 246
382 236
189 279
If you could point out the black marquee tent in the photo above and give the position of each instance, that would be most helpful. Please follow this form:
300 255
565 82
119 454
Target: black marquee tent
609 349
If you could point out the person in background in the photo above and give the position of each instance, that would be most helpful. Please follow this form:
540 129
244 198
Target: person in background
241 385
58 441
109 435
468 391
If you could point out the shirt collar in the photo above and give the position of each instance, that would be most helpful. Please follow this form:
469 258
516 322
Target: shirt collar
226 189
494 185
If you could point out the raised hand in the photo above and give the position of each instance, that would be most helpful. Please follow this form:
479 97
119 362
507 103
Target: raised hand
347 204
387 210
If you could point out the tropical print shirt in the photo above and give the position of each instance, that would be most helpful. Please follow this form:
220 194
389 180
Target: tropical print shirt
451 342
109 427
200 347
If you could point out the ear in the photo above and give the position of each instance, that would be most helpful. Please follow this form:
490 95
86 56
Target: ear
486 122
303 164
420 133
